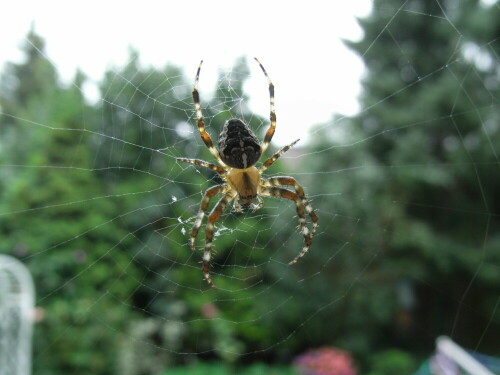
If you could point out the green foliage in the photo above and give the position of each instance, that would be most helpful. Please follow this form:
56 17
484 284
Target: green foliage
143 355
71 235
419 183
392 362
223 369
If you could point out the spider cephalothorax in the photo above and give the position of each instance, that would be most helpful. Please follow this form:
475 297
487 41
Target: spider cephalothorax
239 151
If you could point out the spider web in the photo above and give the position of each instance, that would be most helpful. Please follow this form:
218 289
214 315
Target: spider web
145 119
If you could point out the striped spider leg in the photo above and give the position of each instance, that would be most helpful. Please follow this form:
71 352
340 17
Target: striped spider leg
269 188
214 215
272 116
199 120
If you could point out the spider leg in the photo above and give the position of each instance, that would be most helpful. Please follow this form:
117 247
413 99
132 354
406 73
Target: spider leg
209 193
287 194
203 163
201 125
290 181
209 232
272 117
276 156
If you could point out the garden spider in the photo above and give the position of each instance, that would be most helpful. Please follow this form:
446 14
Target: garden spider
239 151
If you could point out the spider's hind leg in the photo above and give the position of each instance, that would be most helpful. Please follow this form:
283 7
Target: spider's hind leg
272 114
199 119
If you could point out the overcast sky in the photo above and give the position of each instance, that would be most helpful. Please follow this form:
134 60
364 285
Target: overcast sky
298 42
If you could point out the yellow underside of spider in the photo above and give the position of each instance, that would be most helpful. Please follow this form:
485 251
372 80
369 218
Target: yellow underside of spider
245 182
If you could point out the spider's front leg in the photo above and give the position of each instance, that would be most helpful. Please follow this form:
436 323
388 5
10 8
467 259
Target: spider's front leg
209 232
290 181
287 194
209 193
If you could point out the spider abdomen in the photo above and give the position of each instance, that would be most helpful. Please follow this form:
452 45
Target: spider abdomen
238 146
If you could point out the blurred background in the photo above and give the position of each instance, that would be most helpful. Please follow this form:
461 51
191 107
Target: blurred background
396 103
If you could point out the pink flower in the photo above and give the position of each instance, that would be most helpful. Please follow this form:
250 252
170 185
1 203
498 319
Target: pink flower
325 361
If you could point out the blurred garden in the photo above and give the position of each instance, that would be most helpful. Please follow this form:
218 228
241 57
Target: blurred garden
96 205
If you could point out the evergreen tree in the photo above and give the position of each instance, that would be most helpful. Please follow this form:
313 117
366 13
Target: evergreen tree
421 176
57 219
433 110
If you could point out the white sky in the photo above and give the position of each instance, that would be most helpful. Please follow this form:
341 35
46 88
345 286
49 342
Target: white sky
298 42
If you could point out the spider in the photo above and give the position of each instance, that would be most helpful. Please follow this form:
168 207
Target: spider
239 151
